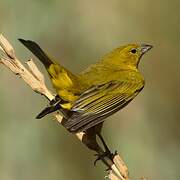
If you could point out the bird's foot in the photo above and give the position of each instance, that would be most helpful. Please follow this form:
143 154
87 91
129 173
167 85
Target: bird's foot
102 156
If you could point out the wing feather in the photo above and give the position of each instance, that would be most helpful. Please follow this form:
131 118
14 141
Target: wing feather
99 102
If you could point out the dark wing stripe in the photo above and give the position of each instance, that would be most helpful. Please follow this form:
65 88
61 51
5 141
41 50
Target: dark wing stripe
97 90
87 111
86 118
86 96
100 119
105 105
89 93
85 104
94 105
96 119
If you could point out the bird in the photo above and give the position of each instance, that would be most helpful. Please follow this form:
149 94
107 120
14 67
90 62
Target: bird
86 99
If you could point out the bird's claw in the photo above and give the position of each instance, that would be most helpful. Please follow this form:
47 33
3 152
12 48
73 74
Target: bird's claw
108 169
115 153
101 156
111 155
105 154
97 159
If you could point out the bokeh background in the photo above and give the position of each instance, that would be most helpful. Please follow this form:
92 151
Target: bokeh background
77 33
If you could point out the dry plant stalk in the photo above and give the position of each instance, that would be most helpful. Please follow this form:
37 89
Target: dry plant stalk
35 79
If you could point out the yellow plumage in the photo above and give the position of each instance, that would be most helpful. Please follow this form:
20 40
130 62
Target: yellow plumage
99 91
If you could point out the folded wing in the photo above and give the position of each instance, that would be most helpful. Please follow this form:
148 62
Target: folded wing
99 102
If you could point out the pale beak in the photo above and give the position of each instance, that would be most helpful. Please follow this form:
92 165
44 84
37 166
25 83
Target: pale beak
145 48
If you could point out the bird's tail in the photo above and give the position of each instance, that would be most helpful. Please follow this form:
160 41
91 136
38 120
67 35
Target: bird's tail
37 51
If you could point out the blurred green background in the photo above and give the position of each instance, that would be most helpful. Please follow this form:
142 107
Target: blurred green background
77 33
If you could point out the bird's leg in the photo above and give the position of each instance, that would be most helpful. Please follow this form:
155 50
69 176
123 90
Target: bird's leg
104 144
106 153
89 139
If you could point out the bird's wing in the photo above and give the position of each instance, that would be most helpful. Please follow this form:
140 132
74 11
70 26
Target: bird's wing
99 102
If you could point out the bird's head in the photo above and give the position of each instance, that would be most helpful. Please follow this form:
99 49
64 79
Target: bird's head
129 55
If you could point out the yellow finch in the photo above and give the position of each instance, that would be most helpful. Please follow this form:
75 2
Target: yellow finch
104 88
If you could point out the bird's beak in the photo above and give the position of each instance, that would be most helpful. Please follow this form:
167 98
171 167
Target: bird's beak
145 48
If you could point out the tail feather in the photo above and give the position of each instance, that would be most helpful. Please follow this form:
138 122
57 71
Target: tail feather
50 109
37 51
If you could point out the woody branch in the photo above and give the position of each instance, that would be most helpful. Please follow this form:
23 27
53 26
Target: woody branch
35 79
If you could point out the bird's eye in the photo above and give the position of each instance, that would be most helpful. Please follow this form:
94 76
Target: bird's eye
133 51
